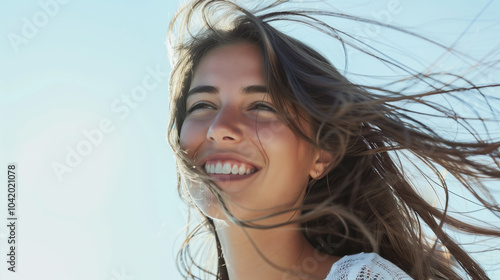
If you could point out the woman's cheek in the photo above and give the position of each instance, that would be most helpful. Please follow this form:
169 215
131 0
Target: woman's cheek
270 132
189 135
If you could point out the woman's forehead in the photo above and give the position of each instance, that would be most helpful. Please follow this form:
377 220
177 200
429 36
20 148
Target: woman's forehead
229 62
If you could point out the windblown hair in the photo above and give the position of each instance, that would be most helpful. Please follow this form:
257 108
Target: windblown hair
367 201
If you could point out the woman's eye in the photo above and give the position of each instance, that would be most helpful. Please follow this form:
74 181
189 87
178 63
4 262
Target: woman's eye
263 107
200 105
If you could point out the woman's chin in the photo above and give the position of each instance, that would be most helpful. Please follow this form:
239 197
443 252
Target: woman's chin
212 209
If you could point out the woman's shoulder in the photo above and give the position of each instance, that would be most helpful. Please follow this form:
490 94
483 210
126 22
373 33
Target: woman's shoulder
367 266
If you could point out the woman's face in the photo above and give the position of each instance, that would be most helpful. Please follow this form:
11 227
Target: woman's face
233 132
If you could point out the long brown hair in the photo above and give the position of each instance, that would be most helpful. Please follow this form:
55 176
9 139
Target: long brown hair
367 200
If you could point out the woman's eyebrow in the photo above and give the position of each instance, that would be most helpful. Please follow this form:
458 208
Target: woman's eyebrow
215 90
255 89
203 89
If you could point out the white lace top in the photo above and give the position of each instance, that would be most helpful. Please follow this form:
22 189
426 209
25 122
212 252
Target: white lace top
365 266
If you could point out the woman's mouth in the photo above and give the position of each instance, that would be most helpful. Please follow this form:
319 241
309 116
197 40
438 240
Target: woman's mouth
228 167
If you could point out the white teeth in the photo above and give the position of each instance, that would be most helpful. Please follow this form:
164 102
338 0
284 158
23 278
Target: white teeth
241 171
226 169
234 170
218 168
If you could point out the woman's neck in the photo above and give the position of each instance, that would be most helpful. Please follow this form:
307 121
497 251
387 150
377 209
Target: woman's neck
285 247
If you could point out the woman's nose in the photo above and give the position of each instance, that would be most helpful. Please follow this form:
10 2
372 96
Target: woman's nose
226 127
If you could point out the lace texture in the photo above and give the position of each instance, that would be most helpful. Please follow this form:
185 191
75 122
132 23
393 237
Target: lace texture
366 266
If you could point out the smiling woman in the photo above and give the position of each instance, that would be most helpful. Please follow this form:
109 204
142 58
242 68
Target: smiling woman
299 173
233 116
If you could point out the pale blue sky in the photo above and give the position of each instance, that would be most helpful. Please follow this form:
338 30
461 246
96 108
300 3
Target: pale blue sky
75 67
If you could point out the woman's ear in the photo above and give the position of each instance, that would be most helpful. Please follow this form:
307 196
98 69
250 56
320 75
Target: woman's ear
322 164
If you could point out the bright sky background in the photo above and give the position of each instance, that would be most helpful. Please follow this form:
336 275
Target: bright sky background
67 69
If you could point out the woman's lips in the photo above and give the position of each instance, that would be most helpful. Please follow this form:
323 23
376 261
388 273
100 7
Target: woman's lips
225 168
227 178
